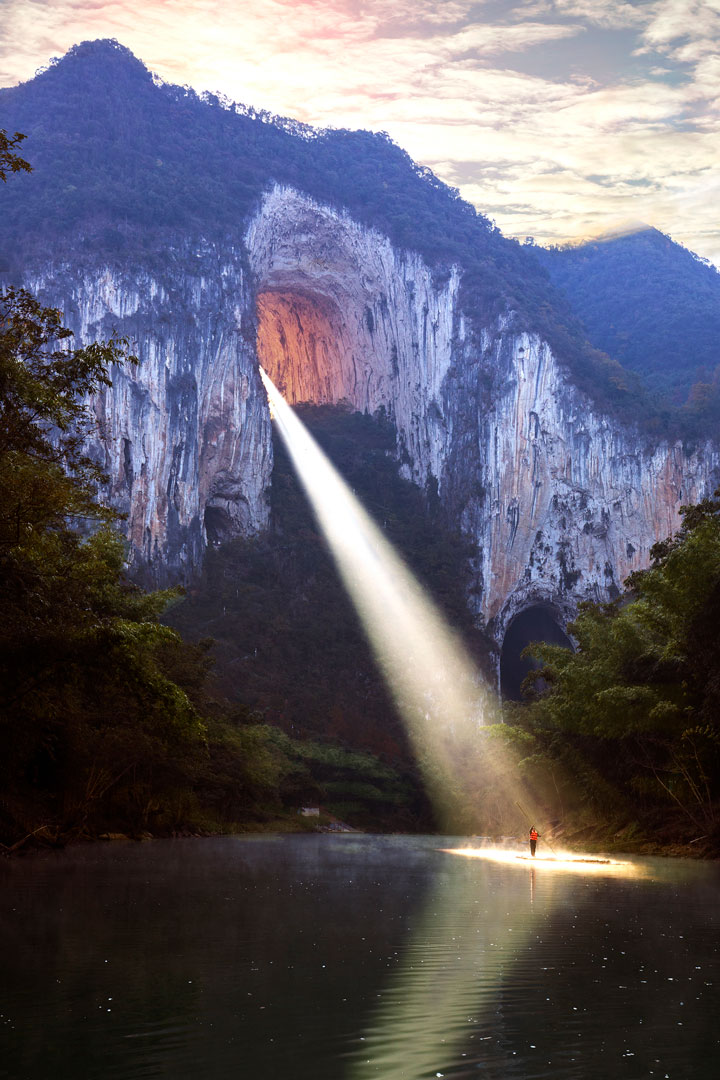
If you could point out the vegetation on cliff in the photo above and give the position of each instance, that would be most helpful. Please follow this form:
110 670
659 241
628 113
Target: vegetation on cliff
654 307
625 728
149 167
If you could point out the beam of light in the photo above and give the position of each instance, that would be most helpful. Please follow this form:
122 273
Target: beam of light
434 683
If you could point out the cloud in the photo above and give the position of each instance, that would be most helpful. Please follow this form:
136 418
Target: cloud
452 83
610 14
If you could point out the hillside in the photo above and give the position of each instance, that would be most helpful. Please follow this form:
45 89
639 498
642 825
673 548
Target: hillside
651 305
125 166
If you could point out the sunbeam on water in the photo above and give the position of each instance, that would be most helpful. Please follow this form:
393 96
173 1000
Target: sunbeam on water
563 861
435 685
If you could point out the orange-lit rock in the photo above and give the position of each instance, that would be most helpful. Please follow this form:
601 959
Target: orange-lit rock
302 345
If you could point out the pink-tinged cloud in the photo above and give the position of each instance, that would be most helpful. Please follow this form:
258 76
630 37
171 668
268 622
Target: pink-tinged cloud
554 149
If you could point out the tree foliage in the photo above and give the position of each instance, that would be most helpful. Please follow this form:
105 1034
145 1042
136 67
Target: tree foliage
653 306
83 696
637 700
10 161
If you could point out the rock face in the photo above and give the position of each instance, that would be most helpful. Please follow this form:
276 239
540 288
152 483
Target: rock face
562 501
345 316
566 502
185 436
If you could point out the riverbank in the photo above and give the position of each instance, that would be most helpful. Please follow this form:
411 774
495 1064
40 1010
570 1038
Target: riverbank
670 841
593 840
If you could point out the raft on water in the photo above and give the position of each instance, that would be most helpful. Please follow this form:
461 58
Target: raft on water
554 858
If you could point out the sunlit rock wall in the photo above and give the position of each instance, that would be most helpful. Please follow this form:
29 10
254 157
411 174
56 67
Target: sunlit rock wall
185 436
345 316
562 500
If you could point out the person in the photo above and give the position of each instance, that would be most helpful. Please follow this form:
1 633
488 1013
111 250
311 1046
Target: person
533 839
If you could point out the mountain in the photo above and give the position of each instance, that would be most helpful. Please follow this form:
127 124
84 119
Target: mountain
648 302
214 237
123 163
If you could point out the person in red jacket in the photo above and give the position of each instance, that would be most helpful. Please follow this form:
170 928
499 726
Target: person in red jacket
533 839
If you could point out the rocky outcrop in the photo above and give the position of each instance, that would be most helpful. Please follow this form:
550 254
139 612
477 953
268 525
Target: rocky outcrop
565 502
562 500
345 316
184 436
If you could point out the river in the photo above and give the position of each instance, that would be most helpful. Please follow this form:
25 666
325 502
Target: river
346 957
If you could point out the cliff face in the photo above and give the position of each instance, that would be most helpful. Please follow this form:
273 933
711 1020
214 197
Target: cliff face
185 436
343 315
562 501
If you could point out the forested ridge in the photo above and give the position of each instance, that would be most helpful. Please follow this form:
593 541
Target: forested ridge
124 166
655 307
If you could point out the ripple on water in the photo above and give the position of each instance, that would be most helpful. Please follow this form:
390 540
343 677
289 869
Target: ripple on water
315 959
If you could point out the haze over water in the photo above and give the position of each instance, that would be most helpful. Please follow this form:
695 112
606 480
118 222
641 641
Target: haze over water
325 957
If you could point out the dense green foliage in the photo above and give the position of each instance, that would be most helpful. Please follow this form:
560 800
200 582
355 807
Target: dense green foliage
83 696
632 713
654 307
105 722
149 167
287 640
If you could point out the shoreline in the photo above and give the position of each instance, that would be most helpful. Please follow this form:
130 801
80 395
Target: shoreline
597 843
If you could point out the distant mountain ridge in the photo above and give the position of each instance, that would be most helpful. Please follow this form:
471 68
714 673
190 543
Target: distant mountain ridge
648 302
216 239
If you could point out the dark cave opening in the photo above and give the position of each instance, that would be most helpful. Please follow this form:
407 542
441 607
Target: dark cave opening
218 525
537 623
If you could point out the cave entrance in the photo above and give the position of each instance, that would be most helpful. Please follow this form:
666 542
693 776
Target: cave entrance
301 344
537 623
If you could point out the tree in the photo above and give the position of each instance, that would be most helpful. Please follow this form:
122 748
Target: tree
9 160
638 697
45 418
84 697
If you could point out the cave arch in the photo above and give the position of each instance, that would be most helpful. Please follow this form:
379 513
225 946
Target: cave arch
537 622
303 344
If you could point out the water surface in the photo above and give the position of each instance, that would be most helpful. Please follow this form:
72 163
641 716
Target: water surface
347 957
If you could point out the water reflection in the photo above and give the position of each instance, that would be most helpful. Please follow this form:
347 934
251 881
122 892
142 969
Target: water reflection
345 958
443 998
451 1008
441 1004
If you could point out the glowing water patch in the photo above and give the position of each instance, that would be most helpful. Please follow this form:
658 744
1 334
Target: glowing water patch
572 862
434 683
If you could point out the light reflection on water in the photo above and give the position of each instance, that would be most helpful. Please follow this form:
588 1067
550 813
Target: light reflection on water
349 957
559 862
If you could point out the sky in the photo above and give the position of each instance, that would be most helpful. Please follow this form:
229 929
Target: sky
559 119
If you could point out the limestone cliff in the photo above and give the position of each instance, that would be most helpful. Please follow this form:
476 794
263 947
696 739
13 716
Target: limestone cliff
185 436
562 501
